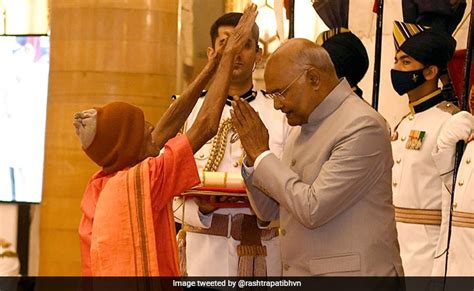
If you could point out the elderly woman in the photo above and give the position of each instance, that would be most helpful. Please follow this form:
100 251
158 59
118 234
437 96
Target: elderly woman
127 227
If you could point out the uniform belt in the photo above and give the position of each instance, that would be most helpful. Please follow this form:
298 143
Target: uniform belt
418 216
220 227
463 219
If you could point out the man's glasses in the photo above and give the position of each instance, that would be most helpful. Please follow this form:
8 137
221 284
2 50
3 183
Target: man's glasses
280 94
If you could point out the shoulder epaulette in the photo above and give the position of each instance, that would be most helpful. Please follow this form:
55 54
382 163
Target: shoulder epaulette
449 107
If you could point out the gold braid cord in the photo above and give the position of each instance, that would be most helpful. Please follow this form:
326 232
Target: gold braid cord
219 143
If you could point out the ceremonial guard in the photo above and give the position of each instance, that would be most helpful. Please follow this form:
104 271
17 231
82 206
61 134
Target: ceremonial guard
461 255
418 177
461 242
213 235
347 53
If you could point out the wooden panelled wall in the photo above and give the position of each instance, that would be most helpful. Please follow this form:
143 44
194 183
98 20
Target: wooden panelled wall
101 51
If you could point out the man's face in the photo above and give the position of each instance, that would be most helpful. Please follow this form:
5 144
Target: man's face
149 148
245 60
297 100
405 63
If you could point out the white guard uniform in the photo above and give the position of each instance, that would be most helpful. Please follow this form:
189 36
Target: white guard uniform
461 248
418 185
210 255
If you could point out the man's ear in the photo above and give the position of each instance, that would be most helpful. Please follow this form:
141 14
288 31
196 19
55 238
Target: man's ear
259 55
430 72
209 51
314 78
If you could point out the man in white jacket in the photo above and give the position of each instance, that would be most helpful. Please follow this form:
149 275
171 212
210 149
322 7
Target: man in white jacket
213 234
460 232
418 177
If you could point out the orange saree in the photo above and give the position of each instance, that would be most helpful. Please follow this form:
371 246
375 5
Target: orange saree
132 230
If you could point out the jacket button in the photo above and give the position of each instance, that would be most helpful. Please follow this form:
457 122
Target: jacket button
282 231
394 184
399 161
403 138
460 183
201 156
468 161
455 205
410 117
235 164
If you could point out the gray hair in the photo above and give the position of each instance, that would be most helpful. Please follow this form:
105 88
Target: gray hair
307 54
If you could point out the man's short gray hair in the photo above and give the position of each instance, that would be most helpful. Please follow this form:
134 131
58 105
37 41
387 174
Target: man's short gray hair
309 55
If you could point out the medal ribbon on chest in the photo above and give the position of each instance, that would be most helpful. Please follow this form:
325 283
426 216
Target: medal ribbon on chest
415 140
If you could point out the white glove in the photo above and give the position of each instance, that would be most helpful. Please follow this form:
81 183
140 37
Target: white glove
458 127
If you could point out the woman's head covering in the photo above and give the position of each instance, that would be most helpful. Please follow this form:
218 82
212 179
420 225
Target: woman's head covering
111 135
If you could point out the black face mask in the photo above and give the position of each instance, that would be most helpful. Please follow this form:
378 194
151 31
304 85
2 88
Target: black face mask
404 82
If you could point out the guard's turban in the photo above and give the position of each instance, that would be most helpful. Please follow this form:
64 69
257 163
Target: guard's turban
423 44
111 135
347 53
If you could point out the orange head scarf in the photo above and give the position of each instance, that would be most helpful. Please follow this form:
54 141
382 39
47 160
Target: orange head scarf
117 135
